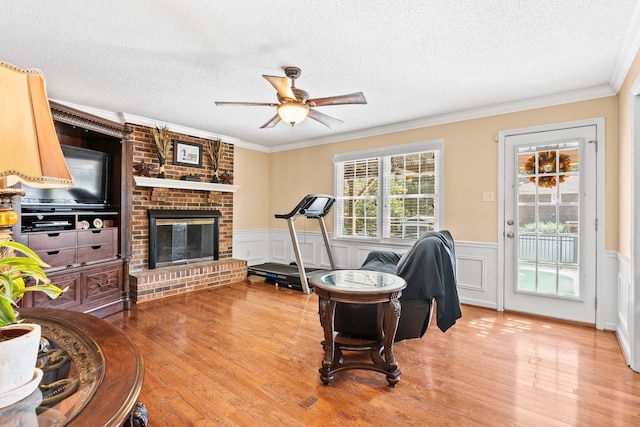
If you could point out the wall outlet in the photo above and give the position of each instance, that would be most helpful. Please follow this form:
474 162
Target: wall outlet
487 196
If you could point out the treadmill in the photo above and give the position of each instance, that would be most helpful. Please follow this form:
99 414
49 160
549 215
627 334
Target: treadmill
294 275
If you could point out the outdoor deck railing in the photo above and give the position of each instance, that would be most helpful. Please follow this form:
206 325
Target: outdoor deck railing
550 248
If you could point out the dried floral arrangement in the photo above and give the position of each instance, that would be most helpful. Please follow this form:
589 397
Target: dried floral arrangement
214 151
163 142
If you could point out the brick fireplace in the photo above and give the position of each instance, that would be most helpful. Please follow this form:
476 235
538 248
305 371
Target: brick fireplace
171 278
179 236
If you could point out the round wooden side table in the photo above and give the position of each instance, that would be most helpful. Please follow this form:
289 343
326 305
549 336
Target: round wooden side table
359 287
93 374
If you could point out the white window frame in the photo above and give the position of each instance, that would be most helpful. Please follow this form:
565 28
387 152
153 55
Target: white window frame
383 198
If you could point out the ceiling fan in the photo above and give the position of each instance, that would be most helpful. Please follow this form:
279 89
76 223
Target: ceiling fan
294 104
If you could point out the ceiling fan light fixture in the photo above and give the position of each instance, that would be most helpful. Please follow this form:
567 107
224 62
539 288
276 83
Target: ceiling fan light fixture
293 112
294 104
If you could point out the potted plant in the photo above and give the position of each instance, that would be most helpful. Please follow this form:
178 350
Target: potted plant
19 342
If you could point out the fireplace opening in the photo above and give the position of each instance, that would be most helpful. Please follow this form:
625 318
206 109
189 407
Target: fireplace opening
182 236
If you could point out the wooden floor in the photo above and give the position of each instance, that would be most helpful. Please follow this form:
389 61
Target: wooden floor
248 355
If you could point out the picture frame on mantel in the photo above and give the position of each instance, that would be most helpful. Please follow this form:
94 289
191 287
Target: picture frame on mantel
187 154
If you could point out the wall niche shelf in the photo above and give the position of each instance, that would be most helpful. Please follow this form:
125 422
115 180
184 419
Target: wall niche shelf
143 181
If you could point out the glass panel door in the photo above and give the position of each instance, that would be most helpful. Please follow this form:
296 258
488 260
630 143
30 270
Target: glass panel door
548 195
550 210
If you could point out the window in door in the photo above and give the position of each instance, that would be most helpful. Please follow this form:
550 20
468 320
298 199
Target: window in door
548 195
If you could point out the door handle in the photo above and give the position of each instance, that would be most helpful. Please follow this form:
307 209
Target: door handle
510 222
510 234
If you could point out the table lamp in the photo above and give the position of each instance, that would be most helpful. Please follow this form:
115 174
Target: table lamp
29 148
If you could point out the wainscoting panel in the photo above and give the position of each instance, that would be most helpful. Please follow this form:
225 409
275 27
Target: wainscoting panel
251 245
471 273
279 250
309 251
616 269
340 256
624 301
476 264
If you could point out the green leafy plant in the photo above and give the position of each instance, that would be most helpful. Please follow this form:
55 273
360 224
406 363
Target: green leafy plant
13 272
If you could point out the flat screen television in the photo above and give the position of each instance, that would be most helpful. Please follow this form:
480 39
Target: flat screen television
90 171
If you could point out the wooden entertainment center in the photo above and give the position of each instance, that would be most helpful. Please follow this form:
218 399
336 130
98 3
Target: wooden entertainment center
88 248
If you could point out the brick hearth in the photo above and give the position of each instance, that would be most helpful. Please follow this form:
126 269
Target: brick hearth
163 282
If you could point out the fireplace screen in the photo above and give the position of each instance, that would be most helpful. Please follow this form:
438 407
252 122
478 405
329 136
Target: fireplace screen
178 237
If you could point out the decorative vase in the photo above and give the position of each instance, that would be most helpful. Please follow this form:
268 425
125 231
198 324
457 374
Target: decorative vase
161 170
19 376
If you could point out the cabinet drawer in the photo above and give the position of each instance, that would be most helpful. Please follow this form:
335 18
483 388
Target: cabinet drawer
96 237
96 253
52 240
58 257
102 283
70 298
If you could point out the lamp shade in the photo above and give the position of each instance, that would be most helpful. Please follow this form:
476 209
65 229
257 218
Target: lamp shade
29 148
293 112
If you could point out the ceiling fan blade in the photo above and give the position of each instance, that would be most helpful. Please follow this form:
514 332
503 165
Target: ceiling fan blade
352 98
282 86
272 122
256 104
328 121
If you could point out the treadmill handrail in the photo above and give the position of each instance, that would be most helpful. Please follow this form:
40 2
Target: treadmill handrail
306 203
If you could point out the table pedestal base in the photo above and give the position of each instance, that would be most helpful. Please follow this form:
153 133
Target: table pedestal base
359 287
375 347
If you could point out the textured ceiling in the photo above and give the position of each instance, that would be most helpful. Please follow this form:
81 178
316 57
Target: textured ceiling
168 61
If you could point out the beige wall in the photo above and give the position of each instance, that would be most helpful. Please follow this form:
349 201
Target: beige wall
470 165
624 163
251 201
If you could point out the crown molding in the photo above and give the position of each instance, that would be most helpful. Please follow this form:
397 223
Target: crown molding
628 52
72 116
107 115
493 110
123 118
476 113
185 130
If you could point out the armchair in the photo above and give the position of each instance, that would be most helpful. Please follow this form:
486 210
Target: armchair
429 269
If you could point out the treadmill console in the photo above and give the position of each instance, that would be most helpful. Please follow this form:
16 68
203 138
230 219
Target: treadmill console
312 206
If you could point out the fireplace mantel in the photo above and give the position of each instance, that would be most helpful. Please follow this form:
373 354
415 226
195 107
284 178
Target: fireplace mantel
143 181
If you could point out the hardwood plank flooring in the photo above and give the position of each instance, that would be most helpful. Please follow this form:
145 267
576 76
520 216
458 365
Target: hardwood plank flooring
248 355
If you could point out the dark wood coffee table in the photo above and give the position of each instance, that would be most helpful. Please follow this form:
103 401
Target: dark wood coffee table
359 287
